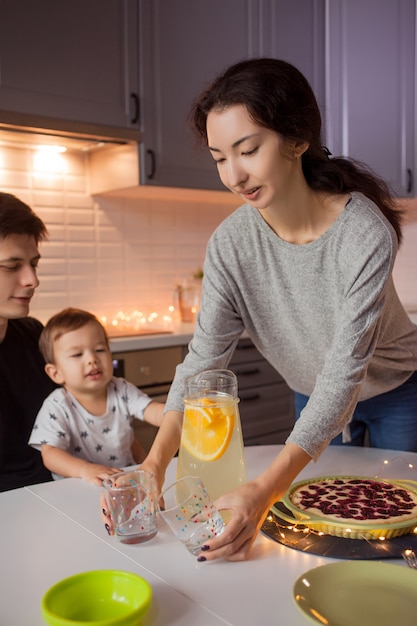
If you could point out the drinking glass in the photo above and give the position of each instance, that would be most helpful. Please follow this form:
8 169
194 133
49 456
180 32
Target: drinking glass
190 513
130 496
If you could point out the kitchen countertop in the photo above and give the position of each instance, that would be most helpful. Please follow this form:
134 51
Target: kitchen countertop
180 336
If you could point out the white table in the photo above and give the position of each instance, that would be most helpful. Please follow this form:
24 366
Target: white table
52 530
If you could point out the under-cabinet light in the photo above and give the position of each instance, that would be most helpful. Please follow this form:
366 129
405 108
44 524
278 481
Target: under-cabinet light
51 149
49 160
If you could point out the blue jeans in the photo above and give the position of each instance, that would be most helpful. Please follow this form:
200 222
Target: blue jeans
385 421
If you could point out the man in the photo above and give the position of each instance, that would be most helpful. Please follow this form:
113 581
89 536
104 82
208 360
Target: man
23 382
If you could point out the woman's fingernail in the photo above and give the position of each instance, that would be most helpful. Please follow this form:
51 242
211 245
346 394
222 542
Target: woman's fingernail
107 527
205 548
201 559
104 512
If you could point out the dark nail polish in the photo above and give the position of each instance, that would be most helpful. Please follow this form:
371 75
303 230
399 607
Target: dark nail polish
104 512
201 559
107 527
205 548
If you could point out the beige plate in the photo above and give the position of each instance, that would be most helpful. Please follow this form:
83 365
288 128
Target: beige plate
358 593
350 530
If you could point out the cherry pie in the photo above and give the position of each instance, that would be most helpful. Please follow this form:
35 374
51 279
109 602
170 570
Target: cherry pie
354 506
362 500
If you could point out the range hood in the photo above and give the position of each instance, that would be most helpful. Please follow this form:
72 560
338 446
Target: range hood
24 130
21 137
113 153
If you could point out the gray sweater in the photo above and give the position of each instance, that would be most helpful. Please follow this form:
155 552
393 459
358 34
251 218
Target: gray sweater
325 314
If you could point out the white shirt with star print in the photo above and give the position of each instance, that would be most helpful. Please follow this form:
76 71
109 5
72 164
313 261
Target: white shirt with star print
106 439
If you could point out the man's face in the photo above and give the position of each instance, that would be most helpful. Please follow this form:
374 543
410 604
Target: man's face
19 257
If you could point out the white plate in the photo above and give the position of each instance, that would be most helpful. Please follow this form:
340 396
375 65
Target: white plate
358 593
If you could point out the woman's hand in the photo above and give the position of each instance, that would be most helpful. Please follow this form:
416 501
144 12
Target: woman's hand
249 505
105 514
245 509
158 475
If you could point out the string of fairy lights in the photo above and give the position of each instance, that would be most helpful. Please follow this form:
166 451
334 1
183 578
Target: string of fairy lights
136 320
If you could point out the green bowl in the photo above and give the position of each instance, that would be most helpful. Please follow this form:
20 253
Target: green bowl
97 598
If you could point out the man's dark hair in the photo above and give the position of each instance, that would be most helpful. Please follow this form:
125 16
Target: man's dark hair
17 218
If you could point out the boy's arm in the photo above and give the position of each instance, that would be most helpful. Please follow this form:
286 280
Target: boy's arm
154 412
65 464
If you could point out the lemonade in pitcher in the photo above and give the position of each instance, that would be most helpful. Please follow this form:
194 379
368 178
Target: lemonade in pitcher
211 440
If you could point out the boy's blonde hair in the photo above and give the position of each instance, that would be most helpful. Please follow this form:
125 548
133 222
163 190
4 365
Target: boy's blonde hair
64 322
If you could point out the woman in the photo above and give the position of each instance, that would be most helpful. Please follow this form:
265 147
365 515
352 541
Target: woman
305 267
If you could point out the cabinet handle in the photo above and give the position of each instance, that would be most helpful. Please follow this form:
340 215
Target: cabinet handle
248 372
409 180
249 396
135 99
151 155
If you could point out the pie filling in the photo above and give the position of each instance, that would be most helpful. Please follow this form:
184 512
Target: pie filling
360 500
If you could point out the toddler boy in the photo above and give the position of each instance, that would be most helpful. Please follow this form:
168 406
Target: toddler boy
84 428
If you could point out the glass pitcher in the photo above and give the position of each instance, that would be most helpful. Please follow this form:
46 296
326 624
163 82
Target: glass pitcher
211 440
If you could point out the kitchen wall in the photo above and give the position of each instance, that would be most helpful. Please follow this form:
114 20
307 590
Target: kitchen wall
108 254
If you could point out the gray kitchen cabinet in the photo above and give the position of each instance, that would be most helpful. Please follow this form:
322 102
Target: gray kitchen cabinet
75 61
370 86
294 31
266 402
184 44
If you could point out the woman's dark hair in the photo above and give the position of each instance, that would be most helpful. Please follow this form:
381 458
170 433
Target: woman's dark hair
17 218
278 97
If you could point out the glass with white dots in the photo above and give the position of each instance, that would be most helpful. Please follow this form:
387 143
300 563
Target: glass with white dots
130 497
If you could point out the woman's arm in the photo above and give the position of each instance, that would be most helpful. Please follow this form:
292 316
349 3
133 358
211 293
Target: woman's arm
164 447
63 463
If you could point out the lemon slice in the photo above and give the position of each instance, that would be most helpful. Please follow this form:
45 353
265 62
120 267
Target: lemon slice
207 430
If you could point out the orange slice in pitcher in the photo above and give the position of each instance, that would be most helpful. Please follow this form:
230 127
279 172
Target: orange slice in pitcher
207 430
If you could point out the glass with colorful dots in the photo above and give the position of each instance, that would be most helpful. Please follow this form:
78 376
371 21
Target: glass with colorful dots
131 500
190 513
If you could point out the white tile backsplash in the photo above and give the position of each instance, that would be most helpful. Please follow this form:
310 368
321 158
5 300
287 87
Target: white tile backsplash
104 253
16 179
110 253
